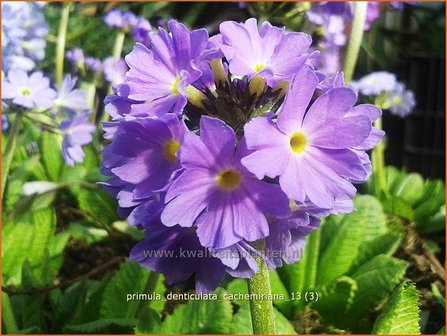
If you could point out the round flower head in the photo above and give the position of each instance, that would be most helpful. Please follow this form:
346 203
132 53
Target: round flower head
160 76
77 133
216 193
311 147
28 91
268 52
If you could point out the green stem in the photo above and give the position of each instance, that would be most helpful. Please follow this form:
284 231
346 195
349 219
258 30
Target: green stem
8 318
355 39
10 148
378 162
261 306
117 51
149 289
118 46
60 48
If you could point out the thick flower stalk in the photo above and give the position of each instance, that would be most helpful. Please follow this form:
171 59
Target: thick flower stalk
231 148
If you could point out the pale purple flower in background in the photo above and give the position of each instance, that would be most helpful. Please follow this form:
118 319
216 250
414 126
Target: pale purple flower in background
375 83
28 91
93 64
75 56
141 31
114 19
5 123
23 35
77 132
115 70
68 98
401 101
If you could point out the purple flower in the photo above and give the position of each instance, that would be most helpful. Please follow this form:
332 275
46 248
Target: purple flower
311 148
115 71
375 83
401 101
177 253
287 237
93 64
114 19
5 123
69 98
323 10
268 52
23 35
143 154
160 76
75 56
141 31
28 91
77 133
216 193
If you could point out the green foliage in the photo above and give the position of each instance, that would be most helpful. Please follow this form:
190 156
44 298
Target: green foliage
411 197
242 325
200 317
400 315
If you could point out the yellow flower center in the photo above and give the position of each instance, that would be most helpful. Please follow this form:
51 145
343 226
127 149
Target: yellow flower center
25 92
298 142
174 88
228 179
259 67
171 149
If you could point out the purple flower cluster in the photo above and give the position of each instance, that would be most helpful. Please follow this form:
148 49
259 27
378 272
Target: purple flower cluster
34 92
113 71
220 142
129 22
23 35
387 92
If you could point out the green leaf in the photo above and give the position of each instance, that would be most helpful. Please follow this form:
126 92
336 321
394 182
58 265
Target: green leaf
375 280
130 279
104 326
99 206
148 323
400 314
29 239
50 151
18 177
242 325
335 299
385 244
277 286
373 214
44 228
200 317
69 306
17 237
408 187
342 250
